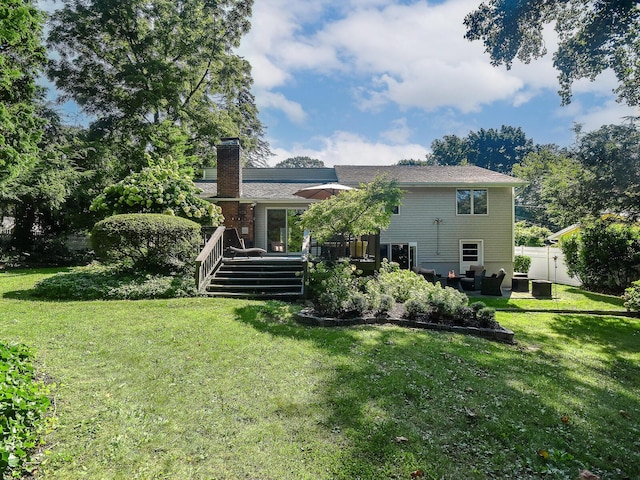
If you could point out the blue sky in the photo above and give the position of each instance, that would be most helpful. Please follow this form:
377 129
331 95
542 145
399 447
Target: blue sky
375 81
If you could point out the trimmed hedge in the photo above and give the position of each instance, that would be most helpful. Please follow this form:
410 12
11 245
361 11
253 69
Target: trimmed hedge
147 242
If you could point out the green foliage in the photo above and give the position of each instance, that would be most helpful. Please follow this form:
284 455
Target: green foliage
158 188
361 211
23 405
337 291
493 149
435 302
530 236
300 162
100 282
593 36
399 284
147 68
147 242
604 255
632 296
522 263
552 175
21 59
332 286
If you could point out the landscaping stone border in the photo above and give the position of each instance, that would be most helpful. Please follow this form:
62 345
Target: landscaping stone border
306 317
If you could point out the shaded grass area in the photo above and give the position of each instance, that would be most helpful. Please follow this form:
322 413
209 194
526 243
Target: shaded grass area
565 297
215 388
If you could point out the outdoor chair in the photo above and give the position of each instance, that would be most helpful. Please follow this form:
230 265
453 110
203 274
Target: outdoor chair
493 285
429 274
473 278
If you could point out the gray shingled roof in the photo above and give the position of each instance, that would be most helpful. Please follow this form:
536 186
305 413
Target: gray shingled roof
280 183
430 175
264 191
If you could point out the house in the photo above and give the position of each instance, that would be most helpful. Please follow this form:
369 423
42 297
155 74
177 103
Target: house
450 217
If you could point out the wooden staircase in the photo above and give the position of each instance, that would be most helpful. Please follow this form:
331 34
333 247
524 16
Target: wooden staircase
263 277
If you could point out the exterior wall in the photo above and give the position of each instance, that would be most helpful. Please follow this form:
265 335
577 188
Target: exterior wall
438 246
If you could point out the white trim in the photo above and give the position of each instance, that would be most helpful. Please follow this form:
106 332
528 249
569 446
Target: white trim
472 189
464 264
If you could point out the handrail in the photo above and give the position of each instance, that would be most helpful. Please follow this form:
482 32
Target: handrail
209 257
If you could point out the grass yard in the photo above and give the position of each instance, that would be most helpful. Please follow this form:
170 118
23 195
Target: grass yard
231 389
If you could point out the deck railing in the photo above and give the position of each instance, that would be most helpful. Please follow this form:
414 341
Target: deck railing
210 257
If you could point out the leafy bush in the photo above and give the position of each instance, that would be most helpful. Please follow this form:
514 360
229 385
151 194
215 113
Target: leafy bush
99 282
147 242
332 287
632 296
159 188
23 405
604 255
486 317
400 284
522 263
435 302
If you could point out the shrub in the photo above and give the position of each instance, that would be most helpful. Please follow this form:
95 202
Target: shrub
99 282
604 255
23 405
386 304
159 188
486 317
632 296
400 284
331 287
522 263
435 301
359 303
148 242
464 315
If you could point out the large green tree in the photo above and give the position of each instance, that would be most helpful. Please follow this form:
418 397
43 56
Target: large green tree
351 213
22 57
141 68
491 148
599 174
594 35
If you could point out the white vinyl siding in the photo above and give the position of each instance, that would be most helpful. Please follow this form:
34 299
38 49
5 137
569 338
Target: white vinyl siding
423 206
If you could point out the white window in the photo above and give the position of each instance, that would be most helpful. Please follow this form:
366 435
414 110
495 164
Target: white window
472 201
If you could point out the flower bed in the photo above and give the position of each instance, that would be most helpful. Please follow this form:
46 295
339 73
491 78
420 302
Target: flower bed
307 316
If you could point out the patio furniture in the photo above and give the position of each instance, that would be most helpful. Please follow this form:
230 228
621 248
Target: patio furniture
454 281
473 278
429 274
541 288
493 285
519 282
245 252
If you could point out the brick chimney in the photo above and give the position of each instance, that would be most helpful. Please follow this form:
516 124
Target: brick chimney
236 215
229 156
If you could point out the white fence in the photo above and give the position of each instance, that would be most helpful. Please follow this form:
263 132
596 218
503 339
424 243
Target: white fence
547 263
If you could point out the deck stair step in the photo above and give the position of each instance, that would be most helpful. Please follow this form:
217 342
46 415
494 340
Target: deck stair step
258 278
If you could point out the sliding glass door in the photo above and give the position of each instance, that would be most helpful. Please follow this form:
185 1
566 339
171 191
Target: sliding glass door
284 233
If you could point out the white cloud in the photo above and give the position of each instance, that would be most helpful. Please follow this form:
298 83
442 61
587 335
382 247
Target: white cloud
293 110
398 133
345 148
610 112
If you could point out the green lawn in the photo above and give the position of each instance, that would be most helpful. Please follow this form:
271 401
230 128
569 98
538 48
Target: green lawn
564 298
231 389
